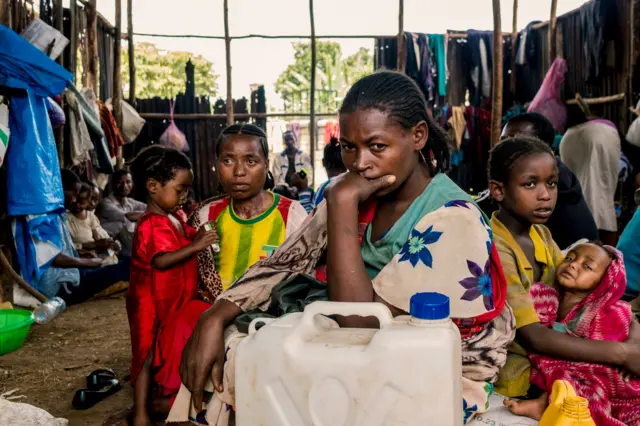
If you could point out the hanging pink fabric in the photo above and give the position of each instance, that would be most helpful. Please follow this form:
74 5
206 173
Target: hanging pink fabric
172 136
547 101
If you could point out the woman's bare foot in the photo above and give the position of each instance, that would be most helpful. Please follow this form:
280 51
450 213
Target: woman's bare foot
533 408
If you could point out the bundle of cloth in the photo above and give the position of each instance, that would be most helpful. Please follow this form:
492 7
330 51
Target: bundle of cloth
613 401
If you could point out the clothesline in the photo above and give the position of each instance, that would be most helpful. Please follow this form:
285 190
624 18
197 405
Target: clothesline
277 37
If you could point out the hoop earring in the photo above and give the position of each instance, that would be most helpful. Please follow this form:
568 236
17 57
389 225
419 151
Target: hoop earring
424 160
434 162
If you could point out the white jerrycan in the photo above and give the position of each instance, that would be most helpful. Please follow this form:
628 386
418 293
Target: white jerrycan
303 370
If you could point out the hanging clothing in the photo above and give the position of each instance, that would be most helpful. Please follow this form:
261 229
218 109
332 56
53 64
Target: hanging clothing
419 63
242 241
601 315
548 101
331 130
598 25
110 129
437 47
78 135
479 57
458 124
592 151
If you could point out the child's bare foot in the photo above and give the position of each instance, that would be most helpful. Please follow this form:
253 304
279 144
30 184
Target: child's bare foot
533 408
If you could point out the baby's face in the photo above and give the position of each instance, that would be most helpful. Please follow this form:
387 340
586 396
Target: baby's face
583 268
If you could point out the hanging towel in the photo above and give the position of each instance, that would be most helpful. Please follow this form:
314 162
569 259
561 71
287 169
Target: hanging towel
458 124
79 139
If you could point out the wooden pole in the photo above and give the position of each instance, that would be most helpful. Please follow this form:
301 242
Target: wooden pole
92 45
496 107
57 23
312 103
227 47
73 41
117 76
402 56
514 48
132 54
553 24
5 13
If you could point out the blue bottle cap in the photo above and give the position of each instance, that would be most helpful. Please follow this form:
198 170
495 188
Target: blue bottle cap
429 306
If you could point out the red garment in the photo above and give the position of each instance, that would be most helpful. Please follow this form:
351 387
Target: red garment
331 130
110 129
157 299
600 316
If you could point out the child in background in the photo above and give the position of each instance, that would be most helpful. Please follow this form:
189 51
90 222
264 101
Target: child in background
334 166
161 303
586 304
523 177
85 229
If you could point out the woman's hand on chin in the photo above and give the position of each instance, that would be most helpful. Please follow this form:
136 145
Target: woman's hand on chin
351 186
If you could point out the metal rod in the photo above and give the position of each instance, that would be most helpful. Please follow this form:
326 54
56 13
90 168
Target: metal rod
496 106
312 103
227 48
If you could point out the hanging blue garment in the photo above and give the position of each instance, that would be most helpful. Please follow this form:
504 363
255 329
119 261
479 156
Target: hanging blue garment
23 66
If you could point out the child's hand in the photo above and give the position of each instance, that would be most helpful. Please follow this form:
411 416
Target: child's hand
205 238
87 254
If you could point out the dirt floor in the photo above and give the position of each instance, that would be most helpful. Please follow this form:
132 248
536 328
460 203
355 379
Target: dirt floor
56 358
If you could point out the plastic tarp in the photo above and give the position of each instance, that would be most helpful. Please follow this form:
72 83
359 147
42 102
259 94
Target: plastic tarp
34 185
23 66
33 178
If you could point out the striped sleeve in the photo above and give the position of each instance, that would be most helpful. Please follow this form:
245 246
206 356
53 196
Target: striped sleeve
517 294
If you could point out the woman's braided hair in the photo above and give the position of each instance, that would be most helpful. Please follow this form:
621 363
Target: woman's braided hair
506 154
159 163
402 100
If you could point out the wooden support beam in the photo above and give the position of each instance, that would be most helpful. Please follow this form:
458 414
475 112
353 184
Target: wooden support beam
227 48
496 105
514 48
312 101
132 54
553 33
402 55
58 17
117 76
596 101
5 13
92 45
73 40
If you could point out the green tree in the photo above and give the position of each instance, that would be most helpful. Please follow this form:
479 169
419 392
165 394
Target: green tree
162 73
334 76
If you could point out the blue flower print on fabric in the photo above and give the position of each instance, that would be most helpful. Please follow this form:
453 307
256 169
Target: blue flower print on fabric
458 203
479 284
468 411
415 250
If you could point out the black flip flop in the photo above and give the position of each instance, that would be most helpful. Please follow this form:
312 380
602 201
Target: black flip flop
100 378
87 398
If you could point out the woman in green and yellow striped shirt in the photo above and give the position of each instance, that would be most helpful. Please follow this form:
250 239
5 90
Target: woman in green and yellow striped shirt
251 220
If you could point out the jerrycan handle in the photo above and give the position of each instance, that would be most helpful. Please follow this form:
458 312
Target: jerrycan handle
364 309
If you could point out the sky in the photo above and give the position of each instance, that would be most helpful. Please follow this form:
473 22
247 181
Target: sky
261 61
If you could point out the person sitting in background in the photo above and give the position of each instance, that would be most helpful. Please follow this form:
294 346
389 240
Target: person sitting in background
571 219
332 162
89 238
71 277
118 213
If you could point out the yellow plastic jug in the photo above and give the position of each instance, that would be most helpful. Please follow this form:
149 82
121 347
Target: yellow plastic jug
566 408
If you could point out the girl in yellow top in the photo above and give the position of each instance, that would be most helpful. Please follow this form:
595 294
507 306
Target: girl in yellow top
523 177
250 220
